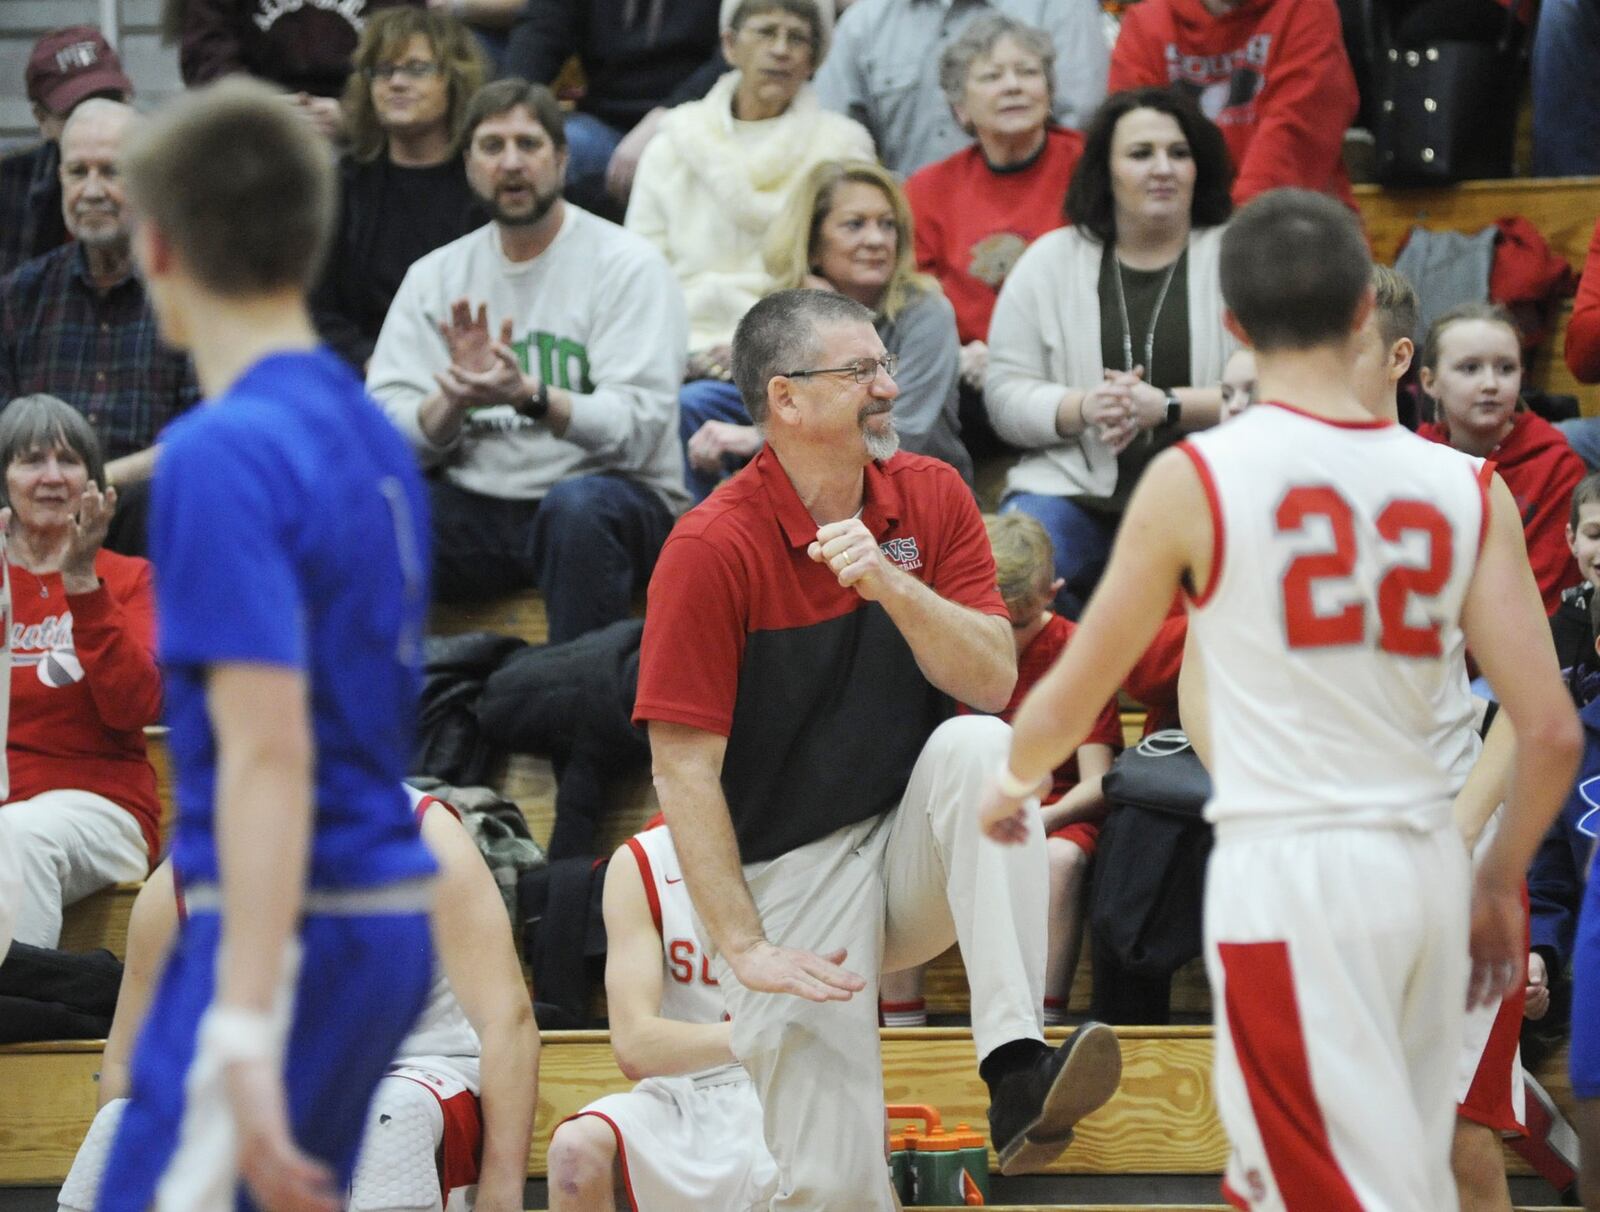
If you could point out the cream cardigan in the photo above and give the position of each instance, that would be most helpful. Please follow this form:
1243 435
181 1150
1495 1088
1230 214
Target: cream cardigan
1045 337
707 192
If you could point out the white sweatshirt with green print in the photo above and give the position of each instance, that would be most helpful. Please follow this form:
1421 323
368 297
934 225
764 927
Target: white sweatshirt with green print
598 313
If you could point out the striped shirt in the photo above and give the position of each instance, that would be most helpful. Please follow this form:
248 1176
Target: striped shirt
98 351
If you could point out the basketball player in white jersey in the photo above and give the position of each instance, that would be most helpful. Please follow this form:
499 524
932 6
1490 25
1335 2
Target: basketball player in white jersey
466 1076
1334 565
689 1134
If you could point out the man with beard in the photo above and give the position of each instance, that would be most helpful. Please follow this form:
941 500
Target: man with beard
835 596
76 323
535 366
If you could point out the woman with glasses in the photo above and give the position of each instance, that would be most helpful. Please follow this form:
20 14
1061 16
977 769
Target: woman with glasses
403 186
847 228
712 181
1107 342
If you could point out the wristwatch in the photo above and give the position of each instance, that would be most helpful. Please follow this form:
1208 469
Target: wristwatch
1174 415
537 405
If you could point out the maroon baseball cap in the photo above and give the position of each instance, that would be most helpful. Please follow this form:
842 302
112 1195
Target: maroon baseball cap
70 64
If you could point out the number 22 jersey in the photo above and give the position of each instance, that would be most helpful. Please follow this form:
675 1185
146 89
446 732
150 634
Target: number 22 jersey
1330 627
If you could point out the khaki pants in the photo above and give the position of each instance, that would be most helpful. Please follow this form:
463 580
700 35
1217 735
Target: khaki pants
895 891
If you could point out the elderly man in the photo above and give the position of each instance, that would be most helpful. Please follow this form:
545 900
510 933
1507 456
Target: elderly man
67 66
883 69
535 363
808 629
76 322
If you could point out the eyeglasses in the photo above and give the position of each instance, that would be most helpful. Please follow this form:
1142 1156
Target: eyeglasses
411 69
772 35
863 371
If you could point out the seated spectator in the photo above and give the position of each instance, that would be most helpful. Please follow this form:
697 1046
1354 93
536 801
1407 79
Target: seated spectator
67 66
638 61
76 322
1238 382
1472 370
304 49
1107 340
455 1109
999 80
714 179
82 809
1273 74
535 365
884 70
1565 89
847 228
689 1134
403 186
1583 353
1569 625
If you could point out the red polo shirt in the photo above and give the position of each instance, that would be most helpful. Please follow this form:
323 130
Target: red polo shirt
818 693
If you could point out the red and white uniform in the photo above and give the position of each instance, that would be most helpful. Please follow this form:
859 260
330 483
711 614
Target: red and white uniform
1336 902
424 1128
695 1140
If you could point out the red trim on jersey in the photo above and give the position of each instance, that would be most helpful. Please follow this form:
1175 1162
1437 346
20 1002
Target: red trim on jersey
1485 478
622 1153
1336 422
428 801
1264 1021
461 1147
650 893
1218 532
1489 1098
1233 1197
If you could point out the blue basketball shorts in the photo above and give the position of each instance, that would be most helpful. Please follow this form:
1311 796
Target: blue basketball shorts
358 986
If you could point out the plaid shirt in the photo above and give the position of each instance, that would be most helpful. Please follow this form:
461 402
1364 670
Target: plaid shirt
30 205
99 352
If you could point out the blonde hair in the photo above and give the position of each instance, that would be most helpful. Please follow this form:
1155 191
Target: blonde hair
792 242
1024 557
1397 304
461 60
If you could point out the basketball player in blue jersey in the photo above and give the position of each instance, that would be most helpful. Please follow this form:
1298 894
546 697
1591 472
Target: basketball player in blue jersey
288 534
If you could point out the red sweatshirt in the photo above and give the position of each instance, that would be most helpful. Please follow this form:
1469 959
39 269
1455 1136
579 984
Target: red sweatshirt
1273 74
84 684
1033 664
1153 680
1541 471
972 245
1583 331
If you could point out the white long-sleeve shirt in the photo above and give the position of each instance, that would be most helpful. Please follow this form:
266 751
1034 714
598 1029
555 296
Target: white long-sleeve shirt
598 314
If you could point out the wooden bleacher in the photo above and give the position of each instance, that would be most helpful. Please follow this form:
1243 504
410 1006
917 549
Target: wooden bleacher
1162 1119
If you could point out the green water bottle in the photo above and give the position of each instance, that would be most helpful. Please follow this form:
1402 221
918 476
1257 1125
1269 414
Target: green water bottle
975 1162
938 1169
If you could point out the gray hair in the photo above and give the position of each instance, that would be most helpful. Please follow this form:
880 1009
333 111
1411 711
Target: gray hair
779 335
104 107
979 39
808 11
43 422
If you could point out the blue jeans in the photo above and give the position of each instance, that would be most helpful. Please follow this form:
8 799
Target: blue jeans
703 400
1082 541
1566 89
588 546
590 144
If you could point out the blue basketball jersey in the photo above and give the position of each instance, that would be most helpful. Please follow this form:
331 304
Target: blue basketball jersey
289 527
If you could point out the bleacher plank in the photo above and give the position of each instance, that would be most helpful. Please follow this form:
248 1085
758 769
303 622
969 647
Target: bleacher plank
100 920
1161 1121
1564 209
521 614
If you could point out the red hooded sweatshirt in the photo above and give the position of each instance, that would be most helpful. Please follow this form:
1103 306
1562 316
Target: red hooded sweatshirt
1541 471
1273 74
1583 330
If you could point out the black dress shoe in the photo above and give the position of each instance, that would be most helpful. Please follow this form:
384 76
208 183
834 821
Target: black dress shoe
1033 1110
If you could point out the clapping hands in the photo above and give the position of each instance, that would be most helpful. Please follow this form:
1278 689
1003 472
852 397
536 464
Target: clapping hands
483 371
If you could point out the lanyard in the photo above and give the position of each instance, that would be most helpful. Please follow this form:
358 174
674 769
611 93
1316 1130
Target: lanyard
1150 333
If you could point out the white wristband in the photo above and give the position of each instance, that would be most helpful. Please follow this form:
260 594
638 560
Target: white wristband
1010 785
232 1033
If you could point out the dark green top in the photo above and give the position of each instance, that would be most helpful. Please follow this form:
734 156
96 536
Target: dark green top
1170 360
